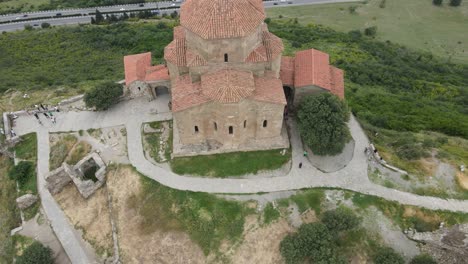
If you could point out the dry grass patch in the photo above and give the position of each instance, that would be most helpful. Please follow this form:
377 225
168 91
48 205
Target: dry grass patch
78 152
61 146
90 215
462 178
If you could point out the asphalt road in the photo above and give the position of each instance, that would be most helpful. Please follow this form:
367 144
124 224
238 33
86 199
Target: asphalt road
124 8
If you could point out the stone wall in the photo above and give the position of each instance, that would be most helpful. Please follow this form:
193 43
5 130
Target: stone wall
214 120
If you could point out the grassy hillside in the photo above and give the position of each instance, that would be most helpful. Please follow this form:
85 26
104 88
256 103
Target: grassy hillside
416 24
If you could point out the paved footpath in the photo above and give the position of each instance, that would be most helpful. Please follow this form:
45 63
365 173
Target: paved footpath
133 113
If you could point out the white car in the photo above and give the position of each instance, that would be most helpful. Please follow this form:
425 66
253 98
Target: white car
122 9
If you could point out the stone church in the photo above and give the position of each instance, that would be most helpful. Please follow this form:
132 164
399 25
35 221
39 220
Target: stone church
228 81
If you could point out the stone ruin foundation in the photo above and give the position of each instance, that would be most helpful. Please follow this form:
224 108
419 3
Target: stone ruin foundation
88 175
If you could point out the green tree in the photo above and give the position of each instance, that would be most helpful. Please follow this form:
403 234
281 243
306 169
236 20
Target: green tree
322 123
99 17
103 95
341 219
36 253
312 241
21 172
370 31
28 27
45 25
423 259
437 2
387 255
455 2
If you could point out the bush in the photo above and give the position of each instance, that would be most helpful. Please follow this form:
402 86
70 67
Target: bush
36 253
22 172
312 241
437 2
370 31
45 25
455 2
28 27
341 219
322 123
387 256
103 95
423 259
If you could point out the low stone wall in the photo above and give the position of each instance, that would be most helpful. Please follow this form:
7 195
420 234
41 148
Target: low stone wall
379 159
332 163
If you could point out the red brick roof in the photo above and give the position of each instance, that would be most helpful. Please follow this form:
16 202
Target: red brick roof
175 52
311 68
287 70
193 58
273 45
269 89
179 32
135 66
186 94
157 73
259 54
215 19
227 85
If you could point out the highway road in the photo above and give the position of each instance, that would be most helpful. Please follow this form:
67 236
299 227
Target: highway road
86 18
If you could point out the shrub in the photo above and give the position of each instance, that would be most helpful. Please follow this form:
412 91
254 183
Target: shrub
22 172
312 241
352 9
387 255
341 219
322 123
45 25
455 2
103 95
370 31
423 259
28 27
36 253
437 2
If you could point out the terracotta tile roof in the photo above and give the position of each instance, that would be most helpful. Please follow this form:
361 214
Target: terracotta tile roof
193 58
135 66
273 45
287 70
259 54
269 89
179 32
215 19
337 82
227 85
157 73
186 94
311 67
175 52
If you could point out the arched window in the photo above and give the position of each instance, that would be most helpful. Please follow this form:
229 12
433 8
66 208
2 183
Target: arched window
245 123
196 129
231 130
215 126
226 59
265 123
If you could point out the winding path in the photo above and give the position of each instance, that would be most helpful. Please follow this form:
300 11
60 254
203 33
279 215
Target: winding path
135 112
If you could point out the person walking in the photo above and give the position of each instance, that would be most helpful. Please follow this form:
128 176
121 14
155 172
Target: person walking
56 109
36 116
300 165
46 115
305 153
42 106
50 113
54 121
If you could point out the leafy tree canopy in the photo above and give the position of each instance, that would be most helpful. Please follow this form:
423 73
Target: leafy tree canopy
387 255
341 219
322 123
36 253
423 259
21 172
103 95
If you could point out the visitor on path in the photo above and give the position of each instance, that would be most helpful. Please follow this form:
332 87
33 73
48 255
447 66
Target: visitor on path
54 121
56 109
300 165
36 116
305 153
50 113
42 106
12 132
46 115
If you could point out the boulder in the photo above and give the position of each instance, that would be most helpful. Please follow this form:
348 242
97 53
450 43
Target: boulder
26 200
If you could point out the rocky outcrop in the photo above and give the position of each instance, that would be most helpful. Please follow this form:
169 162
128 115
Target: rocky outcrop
446 245
26 201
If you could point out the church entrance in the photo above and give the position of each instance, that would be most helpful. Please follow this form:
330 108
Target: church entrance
289 94
160 90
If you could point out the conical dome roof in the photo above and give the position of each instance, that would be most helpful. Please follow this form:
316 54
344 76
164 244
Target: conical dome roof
217 19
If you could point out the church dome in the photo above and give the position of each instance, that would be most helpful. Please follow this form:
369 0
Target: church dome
218 19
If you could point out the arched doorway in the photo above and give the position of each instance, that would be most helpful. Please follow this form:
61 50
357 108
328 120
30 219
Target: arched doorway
289 94
161 90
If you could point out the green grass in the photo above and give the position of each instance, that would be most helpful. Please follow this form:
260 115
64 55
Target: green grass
207 219
27 148
59 58
31 212
270 214
152 140
417 23
311 198
16 6
231 164
9 213
30 186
